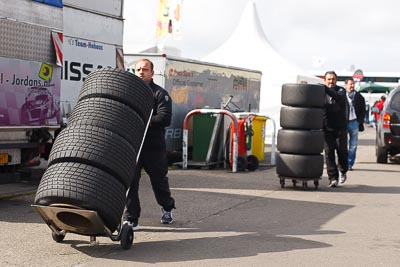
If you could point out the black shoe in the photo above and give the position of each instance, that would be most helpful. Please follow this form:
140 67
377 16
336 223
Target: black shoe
166 217
343 178
134 224
333 183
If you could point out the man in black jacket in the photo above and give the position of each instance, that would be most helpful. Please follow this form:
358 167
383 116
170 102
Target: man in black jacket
153 157
356 120
335 129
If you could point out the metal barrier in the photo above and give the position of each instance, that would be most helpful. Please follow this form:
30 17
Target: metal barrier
273 145
209 111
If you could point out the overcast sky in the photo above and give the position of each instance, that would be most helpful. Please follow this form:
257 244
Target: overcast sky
339 34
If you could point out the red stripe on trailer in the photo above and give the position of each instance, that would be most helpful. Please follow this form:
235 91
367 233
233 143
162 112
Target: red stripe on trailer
120 59
58 42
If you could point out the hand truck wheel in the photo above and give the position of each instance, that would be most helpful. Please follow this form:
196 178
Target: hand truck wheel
316 184
57 237
304 185
282 182
127 236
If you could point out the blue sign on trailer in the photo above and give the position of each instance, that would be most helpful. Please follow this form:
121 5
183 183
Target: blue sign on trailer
57 3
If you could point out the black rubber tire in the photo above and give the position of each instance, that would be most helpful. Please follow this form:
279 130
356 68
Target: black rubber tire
84 186
97 147
241 163
301 118
282 182
121 86
111 115
303 95
252 163
127 236
299 166
58 238
300 141
381 154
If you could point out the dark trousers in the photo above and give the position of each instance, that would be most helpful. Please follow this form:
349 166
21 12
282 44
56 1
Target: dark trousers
335 140
156 166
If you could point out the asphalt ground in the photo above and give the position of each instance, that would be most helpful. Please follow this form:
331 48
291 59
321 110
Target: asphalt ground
233 219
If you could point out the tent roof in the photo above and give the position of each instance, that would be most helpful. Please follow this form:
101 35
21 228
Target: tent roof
374 88
248 47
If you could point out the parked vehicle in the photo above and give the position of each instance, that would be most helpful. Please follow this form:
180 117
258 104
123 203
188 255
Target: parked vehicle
43 62
197 84
388 129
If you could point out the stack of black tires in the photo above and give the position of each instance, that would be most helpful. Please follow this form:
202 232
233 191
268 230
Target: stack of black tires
92 161
301 140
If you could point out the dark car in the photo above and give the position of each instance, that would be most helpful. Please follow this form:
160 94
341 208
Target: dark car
388 129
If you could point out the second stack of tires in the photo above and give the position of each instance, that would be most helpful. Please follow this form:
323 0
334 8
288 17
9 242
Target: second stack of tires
92 161
300 141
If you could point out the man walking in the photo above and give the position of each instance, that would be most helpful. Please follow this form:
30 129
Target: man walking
356 120
153 157
377 109
335 129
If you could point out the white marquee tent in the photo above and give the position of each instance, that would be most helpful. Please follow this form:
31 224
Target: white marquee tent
248 47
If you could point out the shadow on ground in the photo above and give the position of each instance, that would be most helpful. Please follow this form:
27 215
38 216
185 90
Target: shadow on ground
254 225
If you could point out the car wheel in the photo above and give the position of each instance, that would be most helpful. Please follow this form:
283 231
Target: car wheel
381 154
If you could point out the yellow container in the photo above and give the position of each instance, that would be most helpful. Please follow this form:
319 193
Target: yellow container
258 137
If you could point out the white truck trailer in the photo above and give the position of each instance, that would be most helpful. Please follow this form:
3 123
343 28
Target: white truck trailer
47 48
197 84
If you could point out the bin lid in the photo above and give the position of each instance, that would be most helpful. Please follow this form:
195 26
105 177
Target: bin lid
242 115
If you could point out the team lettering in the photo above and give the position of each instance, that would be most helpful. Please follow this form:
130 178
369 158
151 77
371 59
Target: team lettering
77 71
26 81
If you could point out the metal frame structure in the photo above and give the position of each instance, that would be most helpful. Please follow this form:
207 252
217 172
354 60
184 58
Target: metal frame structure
209 111
235 141
273 146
